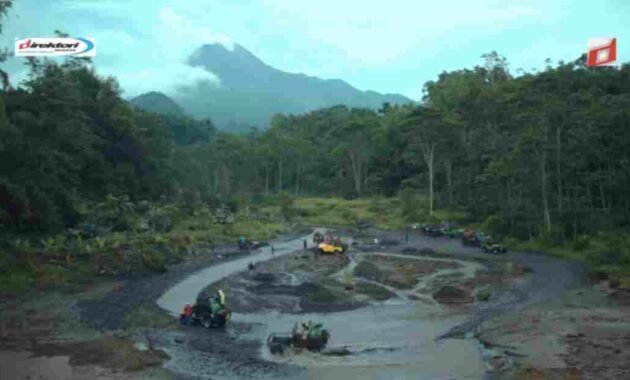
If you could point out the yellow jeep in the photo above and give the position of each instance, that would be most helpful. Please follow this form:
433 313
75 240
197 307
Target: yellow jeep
330 248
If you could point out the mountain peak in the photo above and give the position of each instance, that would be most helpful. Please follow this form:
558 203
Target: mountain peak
252 91
157 102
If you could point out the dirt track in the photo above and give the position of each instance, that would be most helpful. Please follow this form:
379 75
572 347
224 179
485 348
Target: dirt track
552 323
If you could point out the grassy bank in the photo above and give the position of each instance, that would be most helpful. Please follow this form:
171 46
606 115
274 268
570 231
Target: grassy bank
385 213
607 253
70 263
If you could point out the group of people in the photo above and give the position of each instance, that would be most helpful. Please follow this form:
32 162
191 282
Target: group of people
327 238
211 305
309 330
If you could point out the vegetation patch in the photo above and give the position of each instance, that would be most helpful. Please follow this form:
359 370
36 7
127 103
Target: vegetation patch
376 292
369 271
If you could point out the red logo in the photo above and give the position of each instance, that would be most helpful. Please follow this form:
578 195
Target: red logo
24 45
601 52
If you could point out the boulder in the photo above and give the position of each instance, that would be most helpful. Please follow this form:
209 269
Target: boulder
453 295
143 206
143 225
161 223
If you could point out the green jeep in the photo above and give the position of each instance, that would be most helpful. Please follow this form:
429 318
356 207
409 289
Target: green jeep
492 246
452 232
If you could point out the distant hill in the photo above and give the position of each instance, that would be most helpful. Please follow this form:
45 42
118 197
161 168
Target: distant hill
252 91
157 102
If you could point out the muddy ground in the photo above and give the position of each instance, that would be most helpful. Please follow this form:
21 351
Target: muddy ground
86 334
583 335
306 282
537 317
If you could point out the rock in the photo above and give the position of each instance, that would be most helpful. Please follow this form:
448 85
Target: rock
498 363
161 223
143 225
453 295
400 280
143 206
413 297
265 277
387 242
599 276
578 335
141 346
336 352
427 251
483 296
614 283
621 296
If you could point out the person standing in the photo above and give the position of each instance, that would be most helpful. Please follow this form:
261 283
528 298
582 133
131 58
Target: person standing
305 246
186 316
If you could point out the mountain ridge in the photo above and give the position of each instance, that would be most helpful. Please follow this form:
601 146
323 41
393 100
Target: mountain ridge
158 102
251 91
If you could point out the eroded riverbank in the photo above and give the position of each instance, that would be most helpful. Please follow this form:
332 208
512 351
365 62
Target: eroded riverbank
523 307
387 320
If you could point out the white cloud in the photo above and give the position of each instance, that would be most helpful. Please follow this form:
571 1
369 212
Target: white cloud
370 33
184 30
156 61
166 78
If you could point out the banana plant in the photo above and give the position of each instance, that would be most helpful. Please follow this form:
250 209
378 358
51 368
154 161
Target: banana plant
158 239
53 244
100 243
25 252
22 246
82 248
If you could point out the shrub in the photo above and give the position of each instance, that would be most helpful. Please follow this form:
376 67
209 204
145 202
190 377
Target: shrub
552 238
349 216
153 262
368 271
581 242
287 209
409 205
494 225
614 252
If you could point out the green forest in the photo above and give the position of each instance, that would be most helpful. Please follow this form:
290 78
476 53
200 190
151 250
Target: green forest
534 157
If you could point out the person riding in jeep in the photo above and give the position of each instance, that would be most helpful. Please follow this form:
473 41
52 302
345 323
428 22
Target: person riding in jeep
315 330
218 302
242 242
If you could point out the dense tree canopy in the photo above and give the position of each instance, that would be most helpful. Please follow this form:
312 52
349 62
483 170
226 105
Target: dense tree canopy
544 153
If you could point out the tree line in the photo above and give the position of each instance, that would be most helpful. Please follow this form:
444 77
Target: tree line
542 153
539 153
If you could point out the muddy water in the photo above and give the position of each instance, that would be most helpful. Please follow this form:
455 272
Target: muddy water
388 340
186 291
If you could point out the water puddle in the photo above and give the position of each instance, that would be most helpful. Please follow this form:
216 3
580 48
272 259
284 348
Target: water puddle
386 340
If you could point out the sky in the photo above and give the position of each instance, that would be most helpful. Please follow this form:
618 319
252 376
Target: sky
392 46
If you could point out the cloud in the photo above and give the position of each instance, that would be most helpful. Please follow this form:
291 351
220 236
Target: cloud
373 33
184 30
166 78
156 60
